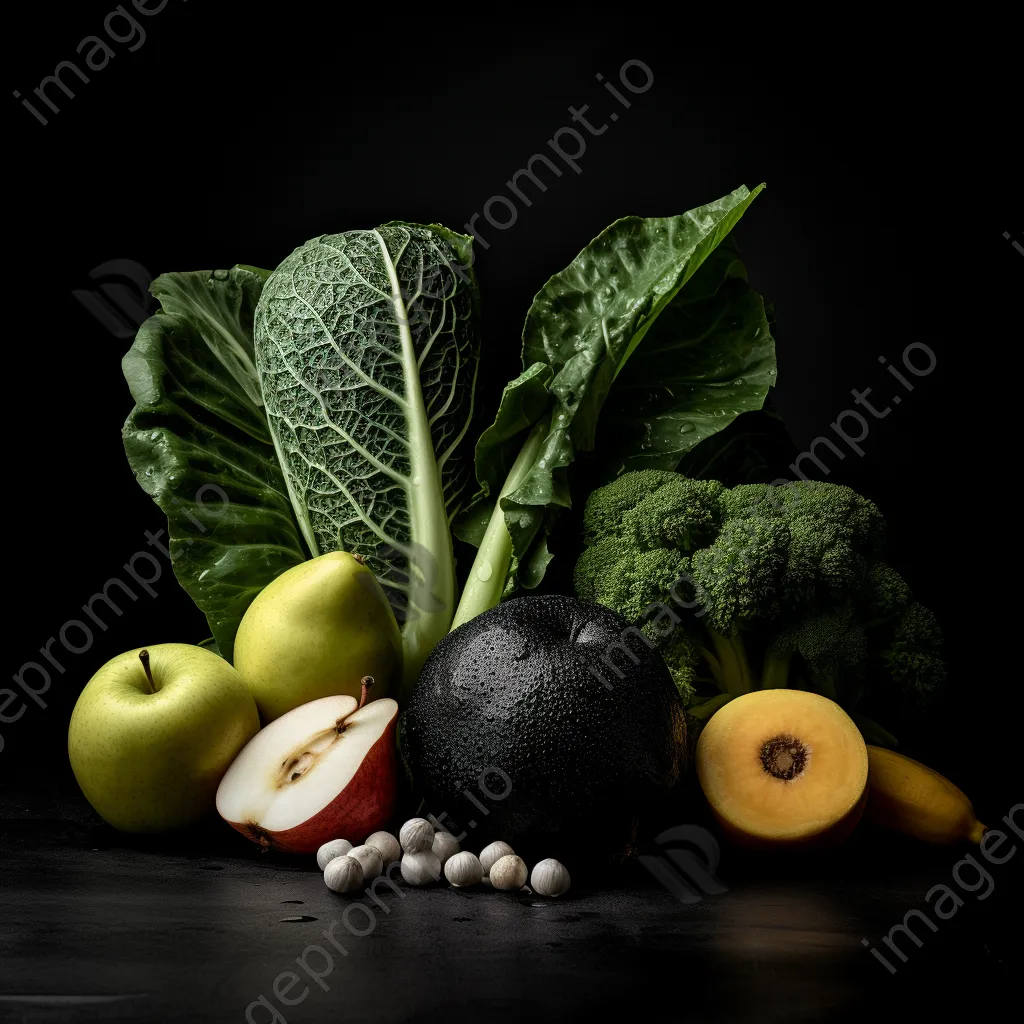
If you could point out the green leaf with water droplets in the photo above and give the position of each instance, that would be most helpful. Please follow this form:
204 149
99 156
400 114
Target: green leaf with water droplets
708 359
583 328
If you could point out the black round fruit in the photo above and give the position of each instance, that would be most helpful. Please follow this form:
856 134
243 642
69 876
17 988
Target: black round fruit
547 722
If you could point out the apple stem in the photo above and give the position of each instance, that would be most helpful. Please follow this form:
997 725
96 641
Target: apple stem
364 689
364 684
144 658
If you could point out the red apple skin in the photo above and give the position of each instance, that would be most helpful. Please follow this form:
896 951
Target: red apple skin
365 805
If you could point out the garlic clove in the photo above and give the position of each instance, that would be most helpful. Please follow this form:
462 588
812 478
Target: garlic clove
421 868
489 855
416 834
508 872
327 852
387 845
550 878
369 859
444 846
462 869
343 874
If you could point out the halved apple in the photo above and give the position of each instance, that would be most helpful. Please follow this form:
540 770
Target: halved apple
325 770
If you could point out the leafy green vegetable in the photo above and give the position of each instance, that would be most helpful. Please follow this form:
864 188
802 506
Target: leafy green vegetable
760 586
324 406
583 326
709 358
198 443
367 351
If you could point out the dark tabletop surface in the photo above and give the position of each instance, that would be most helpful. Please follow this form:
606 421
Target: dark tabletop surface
96 927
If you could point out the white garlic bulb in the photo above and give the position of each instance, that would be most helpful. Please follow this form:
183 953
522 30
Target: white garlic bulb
492 853
343 874
417 834
549 878
421 868
508 872
444 846
463 869
369 859
386 845
327 852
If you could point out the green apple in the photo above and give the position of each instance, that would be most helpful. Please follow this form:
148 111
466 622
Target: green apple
153 733
316 631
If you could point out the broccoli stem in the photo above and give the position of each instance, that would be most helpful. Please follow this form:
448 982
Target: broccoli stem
775 675
715 668
732 660
706 708
489 571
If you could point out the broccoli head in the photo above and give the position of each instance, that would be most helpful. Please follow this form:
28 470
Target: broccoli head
761 586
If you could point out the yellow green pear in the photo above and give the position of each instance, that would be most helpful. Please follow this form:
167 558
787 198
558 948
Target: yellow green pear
315 632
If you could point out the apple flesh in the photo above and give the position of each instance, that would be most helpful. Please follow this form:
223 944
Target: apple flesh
325 770
153 733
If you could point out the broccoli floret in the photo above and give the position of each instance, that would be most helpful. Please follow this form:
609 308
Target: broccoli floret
684 658
681 514
914 656
890 594
619 576
603 519
738 577
772 586
832 646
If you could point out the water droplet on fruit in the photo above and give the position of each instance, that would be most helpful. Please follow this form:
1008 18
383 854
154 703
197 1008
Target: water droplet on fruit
484 573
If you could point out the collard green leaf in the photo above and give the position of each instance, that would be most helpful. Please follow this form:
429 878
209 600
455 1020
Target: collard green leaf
199 444
367 352
523 402
584 325
529 570
709 358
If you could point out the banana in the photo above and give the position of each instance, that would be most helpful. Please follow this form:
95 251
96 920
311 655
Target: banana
909 797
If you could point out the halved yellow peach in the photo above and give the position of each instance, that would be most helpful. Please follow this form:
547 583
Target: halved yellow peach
783 767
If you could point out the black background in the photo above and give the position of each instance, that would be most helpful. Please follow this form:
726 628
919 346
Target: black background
234 134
